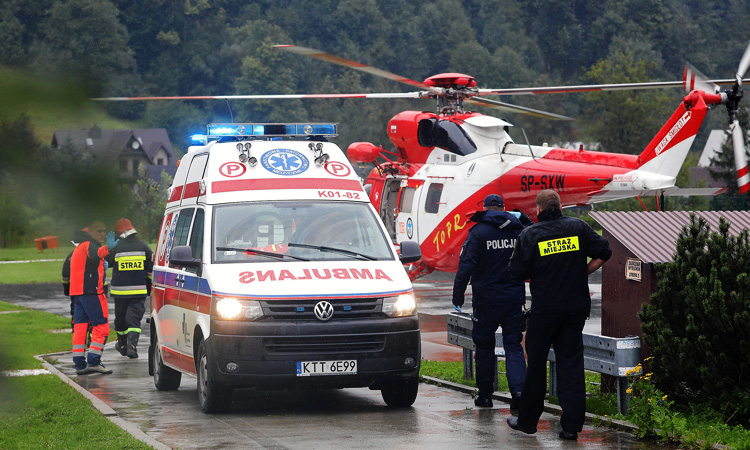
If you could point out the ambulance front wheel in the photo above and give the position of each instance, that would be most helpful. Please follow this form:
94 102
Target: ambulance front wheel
165 378
213 397
401 394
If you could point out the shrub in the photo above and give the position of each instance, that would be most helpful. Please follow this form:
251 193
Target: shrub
698 322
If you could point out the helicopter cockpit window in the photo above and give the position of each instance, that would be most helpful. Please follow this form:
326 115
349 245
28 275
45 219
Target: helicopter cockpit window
432 203
445 134
293 231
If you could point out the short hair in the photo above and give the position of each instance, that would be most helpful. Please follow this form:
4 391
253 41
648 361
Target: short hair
548 199
96 224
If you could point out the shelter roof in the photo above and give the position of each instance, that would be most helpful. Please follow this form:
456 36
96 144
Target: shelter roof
652 235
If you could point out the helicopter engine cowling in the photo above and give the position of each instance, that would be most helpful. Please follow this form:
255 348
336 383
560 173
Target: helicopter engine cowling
403 130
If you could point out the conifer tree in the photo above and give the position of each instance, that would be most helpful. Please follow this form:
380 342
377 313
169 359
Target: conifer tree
698 322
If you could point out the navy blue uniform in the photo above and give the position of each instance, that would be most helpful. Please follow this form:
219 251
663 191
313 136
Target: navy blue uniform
498 298
553 256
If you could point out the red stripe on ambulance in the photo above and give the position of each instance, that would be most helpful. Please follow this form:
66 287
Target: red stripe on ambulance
290 183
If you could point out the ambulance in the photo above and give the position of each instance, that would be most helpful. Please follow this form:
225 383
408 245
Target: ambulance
273 271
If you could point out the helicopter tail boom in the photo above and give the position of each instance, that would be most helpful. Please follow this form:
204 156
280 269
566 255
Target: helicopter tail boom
668 149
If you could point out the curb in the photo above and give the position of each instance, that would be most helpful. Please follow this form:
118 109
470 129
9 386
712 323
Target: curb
104 408
551 408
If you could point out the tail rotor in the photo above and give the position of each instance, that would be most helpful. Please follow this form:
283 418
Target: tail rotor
694 80
734 96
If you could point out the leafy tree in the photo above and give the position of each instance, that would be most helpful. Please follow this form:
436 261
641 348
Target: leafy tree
12 51
148 200
625 121
14 216
698 322
264 73
557 33
85 38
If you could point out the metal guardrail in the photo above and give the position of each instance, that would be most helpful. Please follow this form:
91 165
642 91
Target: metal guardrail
603 354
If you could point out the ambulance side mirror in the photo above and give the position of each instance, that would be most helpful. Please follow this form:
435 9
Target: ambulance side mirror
410 252
182 256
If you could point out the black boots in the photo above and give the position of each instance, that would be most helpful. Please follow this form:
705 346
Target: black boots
483 402
121 344
132 343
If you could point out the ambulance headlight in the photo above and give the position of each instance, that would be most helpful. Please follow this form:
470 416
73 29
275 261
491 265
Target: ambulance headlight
401 306
229 308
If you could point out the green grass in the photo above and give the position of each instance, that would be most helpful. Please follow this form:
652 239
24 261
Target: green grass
36 272
25 334
11 307
32 272
700 430
47 120
596 403
29 252
449 371
42 411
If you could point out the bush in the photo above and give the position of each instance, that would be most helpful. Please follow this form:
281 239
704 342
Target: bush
698 322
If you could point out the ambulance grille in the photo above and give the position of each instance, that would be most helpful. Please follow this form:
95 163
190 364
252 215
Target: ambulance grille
325 344
343 309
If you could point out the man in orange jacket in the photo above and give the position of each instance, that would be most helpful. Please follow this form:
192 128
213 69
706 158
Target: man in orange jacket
89 301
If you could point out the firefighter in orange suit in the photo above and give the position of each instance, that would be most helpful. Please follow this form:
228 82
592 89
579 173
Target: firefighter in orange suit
87 276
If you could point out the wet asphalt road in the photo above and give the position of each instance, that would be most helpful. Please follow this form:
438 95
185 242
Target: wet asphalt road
441 418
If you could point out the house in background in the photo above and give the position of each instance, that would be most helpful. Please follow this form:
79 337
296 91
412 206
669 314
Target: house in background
126 150
639 241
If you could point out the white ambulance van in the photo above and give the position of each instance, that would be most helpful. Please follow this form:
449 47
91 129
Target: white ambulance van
273 271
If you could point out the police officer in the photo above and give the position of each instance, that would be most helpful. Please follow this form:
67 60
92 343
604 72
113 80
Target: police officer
132 263
497 300
552 255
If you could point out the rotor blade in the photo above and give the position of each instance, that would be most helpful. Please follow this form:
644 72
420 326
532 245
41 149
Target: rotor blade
693 79
311 52
516 109
594 87
263 97
744 65
740 157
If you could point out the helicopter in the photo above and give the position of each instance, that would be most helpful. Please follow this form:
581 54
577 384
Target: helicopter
446 162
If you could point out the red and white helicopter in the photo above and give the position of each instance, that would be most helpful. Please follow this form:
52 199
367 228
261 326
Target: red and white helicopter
447 162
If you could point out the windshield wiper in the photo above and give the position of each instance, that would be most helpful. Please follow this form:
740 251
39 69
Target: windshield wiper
323 248
260 252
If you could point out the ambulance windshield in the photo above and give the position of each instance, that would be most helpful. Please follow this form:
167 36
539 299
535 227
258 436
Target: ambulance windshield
293 231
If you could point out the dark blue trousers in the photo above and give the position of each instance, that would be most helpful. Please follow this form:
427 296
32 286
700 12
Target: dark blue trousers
487 319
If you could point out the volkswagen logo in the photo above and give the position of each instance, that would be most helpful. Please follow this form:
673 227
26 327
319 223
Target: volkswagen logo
323 310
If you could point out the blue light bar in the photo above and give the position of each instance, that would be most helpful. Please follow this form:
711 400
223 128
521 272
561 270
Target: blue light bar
199 138
218 130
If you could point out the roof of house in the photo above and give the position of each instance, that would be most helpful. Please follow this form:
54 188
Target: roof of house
108 144
652 235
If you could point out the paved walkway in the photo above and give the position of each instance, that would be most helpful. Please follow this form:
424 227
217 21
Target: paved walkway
128 398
